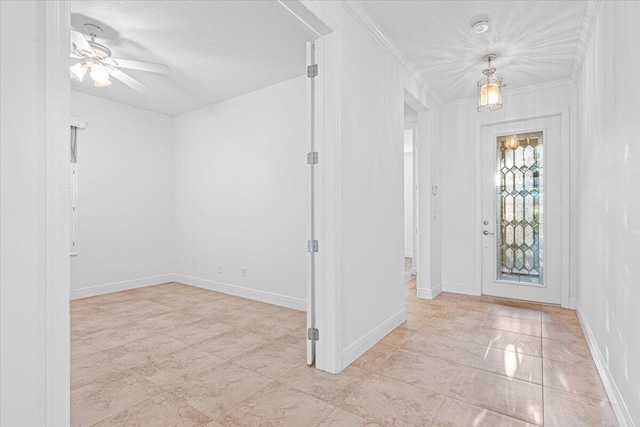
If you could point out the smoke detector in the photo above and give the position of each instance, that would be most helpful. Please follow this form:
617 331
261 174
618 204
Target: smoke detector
481 26
479 23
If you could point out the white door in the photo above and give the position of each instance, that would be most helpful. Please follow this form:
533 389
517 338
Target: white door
311 265
521 210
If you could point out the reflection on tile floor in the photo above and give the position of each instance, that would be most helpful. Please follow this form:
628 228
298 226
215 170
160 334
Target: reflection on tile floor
175 355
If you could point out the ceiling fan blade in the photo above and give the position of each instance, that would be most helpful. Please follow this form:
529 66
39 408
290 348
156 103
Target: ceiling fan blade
81 42
128 80
139 65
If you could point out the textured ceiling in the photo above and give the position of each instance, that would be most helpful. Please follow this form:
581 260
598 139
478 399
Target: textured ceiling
215 49
536 41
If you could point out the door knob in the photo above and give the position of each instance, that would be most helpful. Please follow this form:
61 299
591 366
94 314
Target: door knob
486 233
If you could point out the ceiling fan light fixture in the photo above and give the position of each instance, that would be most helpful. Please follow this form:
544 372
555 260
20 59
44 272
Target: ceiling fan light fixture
100 75
79 70
101 83
489 88
101 66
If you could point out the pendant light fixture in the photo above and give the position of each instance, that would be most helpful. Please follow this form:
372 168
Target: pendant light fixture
511 142
489 88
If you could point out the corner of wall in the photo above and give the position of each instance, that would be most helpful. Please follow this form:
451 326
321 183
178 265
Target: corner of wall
615 396
357 348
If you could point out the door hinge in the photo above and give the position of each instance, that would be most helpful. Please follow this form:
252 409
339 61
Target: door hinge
312 158
313 334
312 245
312 70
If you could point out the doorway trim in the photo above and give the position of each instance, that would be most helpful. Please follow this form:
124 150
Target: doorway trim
566 300
56 290
413 127
55 293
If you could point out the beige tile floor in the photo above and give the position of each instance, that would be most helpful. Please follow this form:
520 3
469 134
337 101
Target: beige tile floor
175 355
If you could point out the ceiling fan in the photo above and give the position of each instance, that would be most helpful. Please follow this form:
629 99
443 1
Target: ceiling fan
96 58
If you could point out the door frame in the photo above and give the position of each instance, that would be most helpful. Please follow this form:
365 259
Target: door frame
566 298
413 126
56 290
415 199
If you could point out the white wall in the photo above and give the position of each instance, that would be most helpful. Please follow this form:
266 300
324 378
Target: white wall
34 376
408 199
241 193
608 214
459 121
125 197
365 253
371 181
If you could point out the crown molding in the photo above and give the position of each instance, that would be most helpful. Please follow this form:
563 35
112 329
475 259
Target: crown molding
359 13
556 84
585 36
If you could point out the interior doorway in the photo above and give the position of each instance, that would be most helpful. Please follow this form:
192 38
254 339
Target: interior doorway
410 193
174 184
522 210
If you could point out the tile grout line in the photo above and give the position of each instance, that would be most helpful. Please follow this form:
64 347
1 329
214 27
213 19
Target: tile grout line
449 303
483 407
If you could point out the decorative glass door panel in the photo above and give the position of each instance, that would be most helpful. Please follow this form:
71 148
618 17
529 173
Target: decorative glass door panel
520 208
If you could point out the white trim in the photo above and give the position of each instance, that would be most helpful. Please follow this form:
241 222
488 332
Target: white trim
566 200
240 291
371 338
573 303
556 84
54 319
460 288
414 271
126 285
318 13
408 254
429 293
309 18
615 397
583 40
328 201
359 13
79 123
411 124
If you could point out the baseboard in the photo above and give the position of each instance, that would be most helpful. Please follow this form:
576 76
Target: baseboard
459 288
615 398
408 254
572 303
254 294
414 271
430 293
371 338
126 285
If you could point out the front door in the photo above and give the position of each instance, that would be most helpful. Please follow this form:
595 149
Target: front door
521 210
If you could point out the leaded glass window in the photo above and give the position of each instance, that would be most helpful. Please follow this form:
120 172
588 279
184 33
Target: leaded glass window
520 208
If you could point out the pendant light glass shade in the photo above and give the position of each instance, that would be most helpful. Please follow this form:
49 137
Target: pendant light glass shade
100 75
489 89
511 143
79 70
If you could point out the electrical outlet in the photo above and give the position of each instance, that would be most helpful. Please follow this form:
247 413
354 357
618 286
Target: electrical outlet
244 272
220 268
